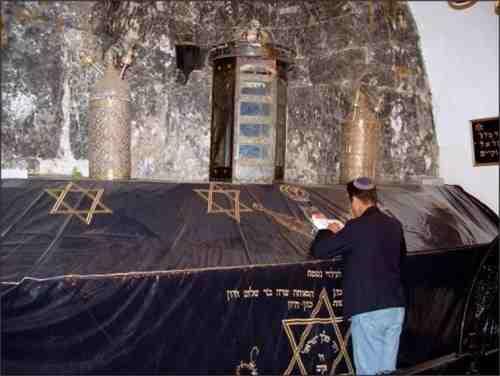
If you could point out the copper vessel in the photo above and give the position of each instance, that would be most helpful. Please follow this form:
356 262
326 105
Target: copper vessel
109 127
360 141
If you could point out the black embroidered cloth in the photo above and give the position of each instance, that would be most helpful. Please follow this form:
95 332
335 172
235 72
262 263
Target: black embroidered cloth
162 278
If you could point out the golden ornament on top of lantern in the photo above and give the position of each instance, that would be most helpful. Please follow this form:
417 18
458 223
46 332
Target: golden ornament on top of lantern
109 127
360 141
253 34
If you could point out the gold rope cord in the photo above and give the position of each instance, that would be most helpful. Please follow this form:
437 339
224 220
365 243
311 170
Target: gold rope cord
291 223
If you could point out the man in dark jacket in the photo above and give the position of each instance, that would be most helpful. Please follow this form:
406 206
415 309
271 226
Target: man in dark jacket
372 245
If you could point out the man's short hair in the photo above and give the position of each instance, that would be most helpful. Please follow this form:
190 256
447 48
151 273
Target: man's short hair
364 189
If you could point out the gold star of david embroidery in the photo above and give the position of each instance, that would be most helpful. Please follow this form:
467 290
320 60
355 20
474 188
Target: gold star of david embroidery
95 207
309 323
233 196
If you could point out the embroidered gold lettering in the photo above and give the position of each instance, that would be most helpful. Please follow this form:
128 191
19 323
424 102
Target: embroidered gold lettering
232 294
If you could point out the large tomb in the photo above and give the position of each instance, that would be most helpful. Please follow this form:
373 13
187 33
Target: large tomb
156 278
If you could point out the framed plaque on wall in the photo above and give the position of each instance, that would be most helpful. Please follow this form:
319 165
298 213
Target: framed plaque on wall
485 141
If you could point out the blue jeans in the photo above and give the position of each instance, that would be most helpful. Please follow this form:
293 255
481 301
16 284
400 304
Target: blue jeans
375 340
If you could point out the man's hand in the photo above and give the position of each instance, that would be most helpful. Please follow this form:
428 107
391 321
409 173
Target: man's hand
335 227
321 221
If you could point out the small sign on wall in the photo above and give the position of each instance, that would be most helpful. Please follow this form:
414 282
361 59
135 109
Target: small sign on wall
485 141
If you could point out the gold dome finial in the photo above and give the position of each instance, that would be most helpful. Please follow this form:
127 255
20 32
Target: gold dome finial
254 34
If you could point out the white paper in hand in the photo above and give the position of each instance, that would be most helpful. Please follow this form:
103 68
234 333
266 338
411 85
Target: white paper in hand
323 223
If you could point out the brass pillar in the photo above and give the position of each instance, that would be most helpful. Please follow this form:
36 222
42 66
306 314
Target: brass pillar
360 141
109 126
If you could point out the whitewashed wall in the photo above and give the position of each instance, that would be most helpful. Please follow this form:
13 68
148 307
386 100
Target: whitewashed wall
460 50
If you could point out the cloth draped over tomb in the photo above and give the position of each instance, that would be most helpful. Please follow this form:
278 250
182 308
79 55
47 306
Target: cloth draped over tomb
101 277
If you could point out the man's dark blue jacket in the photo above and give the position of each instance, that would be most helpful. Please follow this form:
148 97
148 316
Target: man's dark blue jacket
372 247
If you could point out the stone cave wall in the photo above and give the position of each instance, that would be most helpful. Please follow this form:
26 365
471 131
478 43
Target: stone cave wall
339 44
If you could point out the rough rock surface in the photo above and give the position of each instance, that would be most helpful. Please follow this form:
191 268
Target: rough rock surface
45 86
